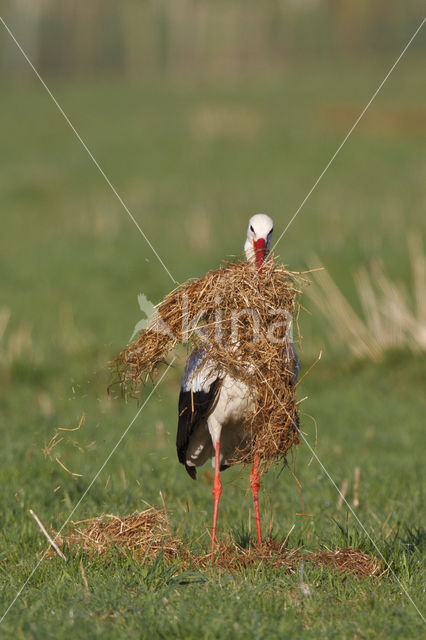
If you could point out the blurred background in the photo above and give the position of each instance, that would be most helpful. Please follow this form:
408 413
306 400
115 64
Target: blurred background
191 38
202 114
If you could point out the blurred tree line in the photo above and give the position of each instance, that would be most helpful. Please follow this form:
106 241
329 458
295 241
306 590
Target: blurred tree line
197 37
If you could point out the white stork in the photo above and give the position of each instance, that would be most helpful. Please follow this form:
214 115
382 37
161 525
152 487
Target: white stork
212 409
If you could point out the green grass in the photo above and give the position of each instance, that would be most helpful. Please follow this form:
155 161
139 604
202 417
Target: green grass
71 266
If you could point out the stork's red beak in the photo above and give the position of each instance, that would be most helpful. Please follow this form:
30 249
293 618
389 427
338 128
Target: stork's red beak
260 251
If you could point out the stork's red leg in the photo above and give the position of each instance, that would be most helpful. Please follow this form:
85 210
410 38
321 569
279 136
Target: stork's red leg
217 490
255 485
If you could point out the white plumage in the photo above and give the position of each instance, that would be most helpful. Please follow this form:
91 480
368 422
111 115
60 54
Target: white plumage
232 404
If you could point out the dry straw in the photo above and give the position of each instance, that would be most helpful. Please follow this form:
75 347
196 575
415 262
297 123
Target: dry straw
393 316
146 534
241 319
230 555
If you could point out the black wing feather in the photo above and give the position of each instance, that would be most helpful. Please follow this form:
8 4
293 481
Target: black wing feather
194 407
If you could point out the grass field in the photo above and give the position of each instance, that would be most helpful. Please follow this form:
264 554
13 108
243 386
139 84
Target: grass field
192 162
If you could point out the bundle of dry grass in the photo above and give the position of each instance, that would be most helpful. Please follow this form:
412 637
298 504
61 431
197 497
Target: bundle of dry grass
232 556
147 533
144 534
350 560
241 320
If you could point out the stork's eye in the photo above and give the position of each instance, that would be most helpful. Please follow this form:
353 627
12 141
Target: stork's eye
251 228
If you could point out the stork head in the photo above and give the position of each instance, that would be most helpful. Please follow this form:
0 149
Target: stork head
258 241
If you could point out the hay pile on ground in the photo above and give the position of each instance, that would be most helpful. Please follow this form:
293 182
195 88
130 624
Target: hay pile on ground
229 555
232 556
350 561
241 319
144 534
